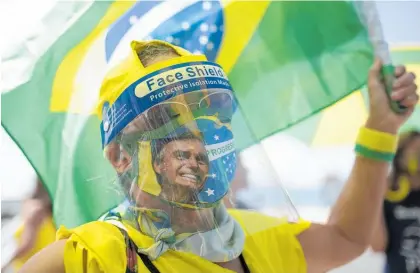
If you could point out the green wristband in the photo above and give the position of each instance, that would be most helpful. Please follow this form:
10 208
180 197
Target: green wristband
368 153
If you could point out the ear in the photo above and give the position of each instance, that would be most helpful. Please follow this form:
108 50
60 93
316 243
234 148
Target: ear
157 167
118 157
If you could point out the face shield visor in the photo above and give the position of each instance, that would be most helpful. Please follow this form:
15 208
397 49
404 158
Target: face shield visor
170 132
177 136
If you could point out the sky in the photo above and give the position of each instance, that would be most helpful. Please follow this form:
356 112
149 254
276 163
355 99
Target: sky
400 22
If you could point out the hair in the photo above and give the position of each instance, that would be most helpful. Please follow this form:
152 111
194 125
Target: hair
153 50
157 145
397 167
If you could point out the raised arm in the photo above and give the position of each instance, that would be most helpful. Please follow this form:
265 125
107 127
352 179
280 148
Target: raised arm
380 236
354 217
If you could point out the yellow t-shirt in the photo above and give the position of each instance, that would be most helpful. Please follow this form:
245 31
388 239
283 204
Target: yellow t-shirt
270 246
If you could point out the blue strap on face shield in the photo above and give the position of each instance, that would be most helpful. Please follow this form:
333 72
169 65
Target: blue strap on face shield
128 105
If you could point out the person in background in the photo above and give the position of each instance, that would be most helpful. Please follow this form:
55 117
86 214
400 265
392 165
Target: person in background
37 229
398 234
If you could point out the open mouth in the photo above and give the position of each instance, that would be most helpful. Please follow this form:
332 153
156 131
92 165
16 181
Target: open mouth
191 178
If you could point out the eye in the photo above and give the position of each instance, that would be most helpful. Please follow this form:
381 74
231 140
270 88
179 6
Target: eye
181 155
203 160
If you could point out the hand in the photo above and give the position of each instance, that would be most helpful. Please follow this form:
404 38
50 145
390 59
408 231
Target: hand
381 116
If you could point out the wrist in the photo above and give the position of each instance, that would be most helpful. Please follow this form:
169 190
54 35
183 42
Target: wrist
381 126
376 144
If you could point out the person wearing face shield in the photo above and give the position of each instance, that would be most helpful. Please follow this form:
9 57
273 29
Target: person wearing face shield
166 128
398 233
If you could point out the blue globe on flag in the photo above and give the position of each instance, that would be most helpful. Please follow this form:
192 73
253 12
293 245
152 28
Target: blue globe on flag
171 21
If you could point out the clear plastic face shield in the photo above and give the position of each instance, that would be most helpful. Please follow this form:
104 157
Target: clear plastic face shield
180 144
169 136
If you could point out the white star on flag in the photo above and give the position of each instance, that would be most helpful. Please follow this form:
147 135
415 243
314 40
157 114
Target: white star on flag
216 137
209 192
206 5
213 175
106 125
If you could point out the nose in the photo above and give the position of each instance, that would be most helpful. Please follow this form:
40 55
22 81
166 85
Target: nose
193 163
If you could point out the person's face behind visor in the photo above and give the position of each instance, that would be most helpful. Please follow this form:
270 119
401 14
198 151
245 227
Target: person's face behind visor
182 167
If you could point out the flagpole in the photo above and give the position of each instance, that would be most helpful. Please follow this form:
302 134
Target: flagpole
369 14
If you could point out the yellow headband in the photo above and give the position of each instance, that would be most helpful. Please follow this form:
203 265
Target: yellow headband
132 69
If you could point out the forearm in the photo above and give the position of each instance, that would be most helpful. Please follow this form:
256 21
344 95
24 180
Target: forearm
380 236
357 210
352 221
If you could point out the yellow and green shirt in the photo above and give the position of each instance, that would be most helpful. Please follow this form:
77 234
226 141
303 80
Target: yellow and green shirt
270 246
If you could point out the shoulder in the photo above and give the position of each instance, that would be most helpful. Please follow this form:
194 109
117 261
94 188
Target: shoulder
253 222
273 240
261 229
95 229
98 245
